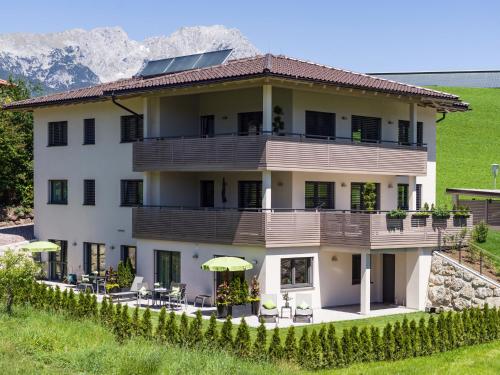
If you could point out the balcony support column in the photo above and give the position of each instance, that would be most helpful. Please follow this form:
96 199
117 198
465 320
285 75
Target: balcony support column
267 108
412 193
266 190
413 123
365 283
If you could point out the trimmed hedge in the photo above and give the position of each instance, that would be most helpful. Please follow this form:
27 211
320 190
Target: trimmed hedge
313 350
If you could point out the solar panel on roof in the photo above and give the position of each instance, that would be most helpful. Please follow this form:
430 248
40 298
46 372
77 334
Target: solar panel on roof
182 63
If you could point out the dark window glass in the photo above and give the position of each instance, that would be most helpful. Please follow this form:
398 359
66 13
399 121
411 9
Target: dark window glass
357 196
168 267
420 133
58 133
296 272
206 193
207 126
356 269
58 192
131 192
131 128
404 133
403 198
320 124
320 194
129 252
89 192
250 123
89 131
418 191
58 261
249 194
365 129
94 258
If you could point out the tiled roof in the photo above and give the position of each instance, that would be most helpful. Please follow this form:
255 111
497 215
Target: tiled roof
258 66
3 82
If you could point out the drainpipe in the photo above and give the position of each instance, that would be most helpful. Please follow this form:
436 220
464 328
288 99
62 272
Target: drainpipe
442 118
113 99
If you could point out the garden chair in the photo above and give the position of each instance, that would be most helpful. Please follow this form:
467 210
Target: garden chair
268 311
303 308
177 295
132 292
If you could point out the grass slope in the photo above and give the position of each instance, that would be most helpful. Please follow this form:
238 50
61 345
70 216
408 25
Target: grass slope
468 143
492 243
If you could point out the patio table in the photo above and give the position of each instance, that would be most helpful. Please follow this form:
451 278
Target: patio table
159 292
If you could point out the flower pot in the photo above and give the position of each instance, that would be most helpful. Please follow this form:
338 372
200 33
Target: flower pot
221 311
255 307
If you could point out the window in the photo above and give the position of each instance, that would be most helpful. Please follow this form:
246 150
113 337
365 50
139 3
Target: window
167 267
206 193
357 196
131 192
296 272
207 126
58 133
420 134
58 192
131 128
320 124
94 258
320 195
129 252
249 194
89 192
418 191
365 129
404 135
250 123
403 198
58 261
356 269
89 131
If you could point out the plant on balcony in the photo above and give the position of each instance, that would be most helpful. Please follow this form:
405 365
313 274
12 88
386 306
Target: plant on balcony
370 196
278 123
397 214
424 212
441 212
222 300
461 212
254 296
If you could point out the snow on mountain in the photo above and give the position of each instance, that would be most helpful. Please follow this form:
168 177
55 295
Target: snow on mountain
78 58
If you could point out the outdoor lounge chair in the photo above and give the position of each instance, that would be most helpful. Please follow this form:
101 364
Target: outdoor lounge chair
268 311
130 294
303 309
177 295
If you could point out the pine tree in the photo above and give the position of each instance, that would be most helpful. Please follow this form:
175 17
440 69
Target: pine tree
337 355
398 341
326 350
242 340
42 296
126 329
365 346
57 299
290 348
195 331
110 313
171 330
413 339
459 330
388 339
275 351
377 344
103 312
432 332
406 345
466 323
72 303
354 333
183 330
64 300
94 309
347 347
442 338
304 350
316 362
160 328
212 334
425 345
226 334
450 331
260 344
49 299
135 324
146 327
328 359
117 322
481 326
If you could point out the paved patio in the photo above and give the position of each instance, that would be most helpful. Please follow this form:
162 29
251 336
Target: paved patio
323 315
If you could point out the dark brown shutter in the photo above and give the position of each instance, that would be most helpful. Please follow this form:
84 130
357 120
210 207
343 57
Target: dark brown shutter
131 192
89 131
418 191
58 133
420 134
131 128
320 124
89 192
366 129
249 194
404 132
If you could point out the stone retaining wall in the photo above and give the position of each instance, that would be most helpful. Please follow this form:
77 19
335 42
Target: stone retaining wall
453 286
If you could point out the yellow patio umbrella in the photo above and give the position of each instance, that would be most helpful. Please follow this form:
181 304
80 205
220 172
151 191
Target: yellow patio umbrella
41 246
231 264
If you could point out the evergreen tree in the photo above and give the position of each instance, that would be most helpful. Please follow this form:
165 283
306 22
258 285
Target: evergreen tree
64 300
377 344
126 329
57 299
242 340
459 330
226 334
260 344
304 350
485 321
466 323
103 312
474 327
425 345
160 328
365 346
413 339
135 324
354 333
432 332
316 362
195 331
347 347
406 345
94 309
275 351
212 334
326 349
117 322
184 330
398 341
72 306
450 331
146 327
442 337
49 299
337 355
290 349
42 296
171 330
388 339
110 313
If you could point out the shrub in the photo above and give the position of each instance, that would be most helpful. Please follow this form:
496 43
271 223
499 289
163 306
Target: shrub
377 344
183 336
244 292
326 349
304 350
126 330
211 334
315 362
425 345
275 350
365 346
413 339
442 338
94 309
347 347
135 324
57 299
64 299
441 212
260 344
450 331
337 355
432 332
290 348
388 339
242 340
103 312
398 341
72 303
353 332
405 339
480 232
146 327
125 274
160 328
254 289
171 330
397 214
459 330
370 196
195 331
226 334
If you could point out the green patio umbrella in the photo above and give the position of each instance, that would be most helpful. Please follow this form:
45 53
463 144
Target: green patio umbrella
231 264
40 246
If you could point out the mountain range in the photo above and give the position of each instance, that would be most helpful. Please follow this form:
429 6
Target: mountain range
78 58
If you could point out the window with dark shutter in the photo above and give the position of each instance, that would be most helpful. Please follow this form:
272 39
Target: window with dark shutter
206 193
356 269
207 126
365 129
320 195
320 124
357 196
404 132
403 197
249 123
89 192
129 252
420 133
89 131
418 191
58 133
131 128
131 192
58 192
249 194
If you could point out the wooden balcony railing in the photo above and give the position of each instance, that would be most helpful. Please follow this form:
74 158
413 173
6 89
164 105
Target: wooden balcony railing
278 152
277 228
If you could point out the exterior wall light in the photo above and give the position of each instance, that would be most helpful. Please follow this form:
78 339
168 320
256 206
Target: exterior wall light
390 185
74 243
334 258
390 122
255 261
344 117
195 256
342 184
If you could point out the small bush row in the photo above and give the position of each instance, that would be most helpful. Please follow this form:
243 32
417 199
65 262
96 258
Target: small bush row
314 349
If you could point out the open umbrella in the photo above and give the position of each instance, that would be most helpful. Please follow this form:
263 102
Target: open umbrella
39 246
231 264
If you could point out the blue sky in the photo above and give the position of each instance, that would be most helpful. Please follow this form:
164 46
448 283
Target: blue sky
359 35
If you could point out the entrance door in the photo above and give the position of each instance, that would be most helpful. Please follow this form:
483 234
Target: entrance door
389 264
58 261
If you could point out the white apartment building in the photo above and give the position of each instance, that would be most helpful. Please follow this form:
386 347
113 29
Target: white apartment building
265 158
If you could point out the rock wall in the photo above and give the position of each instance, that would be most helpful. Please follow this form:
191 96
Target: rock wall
452 286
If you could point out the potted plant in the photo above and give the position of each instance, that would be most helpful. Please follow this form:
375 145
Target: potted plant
112 287
278 123
441 212
254 297
397 214
222 301
461 212
424 212
370 196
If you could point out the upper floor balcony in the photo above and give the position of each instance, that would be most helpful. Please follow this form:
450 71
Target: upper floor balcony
283 151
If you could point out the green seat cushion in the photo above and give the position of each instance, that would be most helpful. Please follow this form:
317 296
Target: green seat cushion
176 289
268 305
303 306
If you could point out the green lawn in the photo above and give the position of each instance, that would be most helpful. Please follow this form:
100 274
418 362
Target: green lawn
492 243
37 342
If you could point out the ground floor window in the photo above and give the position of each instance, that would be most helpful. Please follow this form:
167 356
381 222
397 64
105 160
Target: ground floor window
296 272
129 252
403 196
94 258
319 194
356 269
167 267
359 196
58 261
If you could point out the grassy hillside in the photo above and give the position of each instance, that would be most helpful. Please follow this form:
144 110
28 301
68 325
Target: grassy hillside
468 143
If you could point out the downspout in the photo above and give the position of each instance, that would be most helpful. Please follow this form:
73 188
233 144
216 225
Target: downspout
442 118
113 99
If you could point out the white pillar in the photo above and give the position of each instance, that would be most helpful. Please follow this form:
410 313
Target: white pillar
267 108
412 193
266 189
145 117
365 283
413 123
418 267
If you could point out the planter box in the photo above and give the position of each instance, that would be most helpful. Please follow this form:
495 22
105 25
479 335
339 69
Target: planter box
242 310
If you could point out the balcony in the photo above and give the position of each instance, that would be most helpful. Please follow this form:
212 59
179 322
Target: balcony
288 152
274 228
